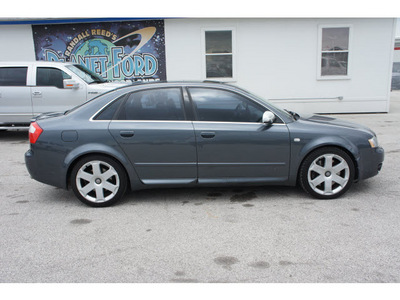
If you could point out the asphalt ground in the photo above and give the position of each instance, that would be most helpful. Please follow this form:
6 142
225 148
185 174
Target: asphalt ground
204 235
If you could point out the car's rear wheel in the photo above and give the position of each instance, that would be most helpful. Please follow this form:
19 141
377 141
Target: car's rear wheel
327 173
98 180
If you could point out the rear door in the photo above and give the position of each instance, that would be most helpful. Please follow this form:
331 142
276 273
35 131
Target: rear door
15 95
152 129
49 94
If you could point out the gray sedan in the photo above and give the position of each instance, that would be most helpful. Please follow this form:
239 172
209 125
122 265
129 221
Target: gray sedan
190 134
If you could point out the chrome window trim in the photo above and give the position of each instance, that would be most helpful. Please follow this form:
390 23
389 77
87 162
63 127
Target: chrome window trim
224 122
148 121
188 85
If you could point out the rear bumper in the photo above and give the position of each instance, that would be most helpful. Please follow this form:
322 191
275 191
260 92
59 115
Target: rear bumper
370 163
43 172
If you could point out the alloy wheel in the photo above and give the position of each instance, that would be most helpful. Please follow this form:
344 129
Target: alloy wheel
328 174
97 181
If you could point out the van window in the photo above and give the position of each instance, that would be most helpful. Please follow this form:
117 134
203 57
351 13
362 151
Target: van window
51 77
13 76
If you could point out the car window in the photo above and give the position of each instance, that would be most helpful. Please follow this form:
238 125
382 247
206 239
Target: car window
13 76
224 106
156 104
51 77
108 112
85 74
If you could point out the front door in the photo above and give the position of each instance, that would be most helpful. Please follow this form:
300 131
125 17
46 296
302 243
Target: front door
233 145
49 94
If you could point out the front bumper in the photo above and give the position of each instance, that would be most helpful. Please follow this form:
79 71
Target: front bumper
370 162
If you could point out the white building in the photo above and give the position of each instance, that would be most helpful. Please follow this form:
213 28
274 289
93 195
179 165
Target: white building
306 65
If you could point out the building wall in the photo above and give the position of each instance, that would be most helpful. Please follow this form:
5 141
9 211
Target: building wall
277 59
274 58
16 43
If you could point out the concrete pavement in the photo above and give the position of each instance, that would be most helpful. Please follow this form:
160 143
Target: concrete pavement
263 234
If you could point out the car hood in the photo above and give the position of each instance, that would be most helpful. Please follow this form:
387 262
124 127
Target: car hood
109 85
335 122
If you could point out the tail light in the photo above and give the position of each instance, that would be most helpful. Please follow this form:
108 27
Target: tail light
34 132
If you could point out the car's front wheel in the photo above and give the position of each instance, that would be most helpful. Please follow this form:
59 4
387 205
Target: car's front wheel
98 180
327 173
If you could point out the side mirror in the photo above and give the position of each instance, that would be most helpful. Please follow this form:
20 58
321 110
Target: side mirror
268 117
70 84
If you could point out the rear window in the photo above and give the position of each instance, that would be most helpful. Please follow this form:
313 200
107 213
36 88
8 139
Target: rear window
13 76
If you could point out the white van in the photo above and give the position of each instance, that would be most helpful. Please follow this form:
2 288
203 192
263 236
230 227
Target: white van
28 89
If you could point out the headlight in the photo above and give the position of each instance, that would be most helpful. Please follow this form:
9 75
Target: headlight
373 142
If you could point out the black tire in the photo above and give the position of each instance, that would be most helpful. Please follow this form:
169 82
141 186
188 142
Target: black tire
327 173
98 180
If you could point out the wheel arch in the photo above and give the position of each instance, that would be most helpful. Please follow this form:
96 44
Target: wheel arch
342 144
98 149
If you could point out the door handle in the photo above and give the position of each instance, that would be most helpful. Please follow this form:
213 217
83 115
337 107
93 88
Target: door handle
207 135
37 94
127 134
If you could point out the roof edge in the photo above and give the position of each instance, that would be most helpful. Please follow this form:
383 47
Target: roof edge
21 21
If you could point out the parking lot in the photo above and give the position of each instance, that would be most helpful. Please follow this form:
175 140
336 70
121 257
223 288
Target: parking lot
236 234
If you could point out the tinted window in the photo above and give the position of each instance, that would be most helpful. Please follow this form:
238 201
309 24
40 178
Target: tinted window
157 104
51 77
224 106
15 76
108 112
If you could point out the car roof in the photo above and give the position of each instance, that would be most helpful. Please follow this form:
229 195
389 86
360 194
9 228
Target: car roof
180 82
162 83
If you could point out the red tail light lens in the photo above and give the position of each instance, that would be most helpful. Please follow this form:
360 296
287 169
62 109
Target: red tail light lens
34 132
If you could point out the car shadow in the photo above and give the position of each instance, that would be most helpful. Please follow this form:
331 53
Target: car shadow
14 136
182 196
204 195
197 196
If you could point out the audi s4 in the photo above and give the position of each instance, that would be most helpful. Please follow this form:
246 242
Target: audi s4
188 134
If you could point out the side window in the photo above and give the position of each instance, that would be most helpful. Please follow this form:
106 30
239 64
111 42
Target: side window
157 104
108 112
224 106
51 77
13 76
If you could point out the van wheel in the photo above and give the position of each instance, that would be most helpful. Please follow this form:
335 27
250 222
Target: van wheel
98 180
327 173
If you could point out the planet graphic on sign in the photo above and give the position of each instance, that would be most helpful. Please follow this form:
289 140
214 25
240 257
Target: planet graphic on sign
96 47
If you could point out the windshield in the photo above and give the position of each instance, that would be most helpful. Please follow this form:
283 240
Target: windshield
87 75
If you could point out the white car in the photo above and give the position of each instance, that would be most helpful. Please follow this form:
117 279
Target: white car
28 89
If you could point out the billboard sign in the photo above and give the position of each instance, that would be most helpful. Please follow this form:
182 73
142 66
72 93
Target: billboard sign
133 50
